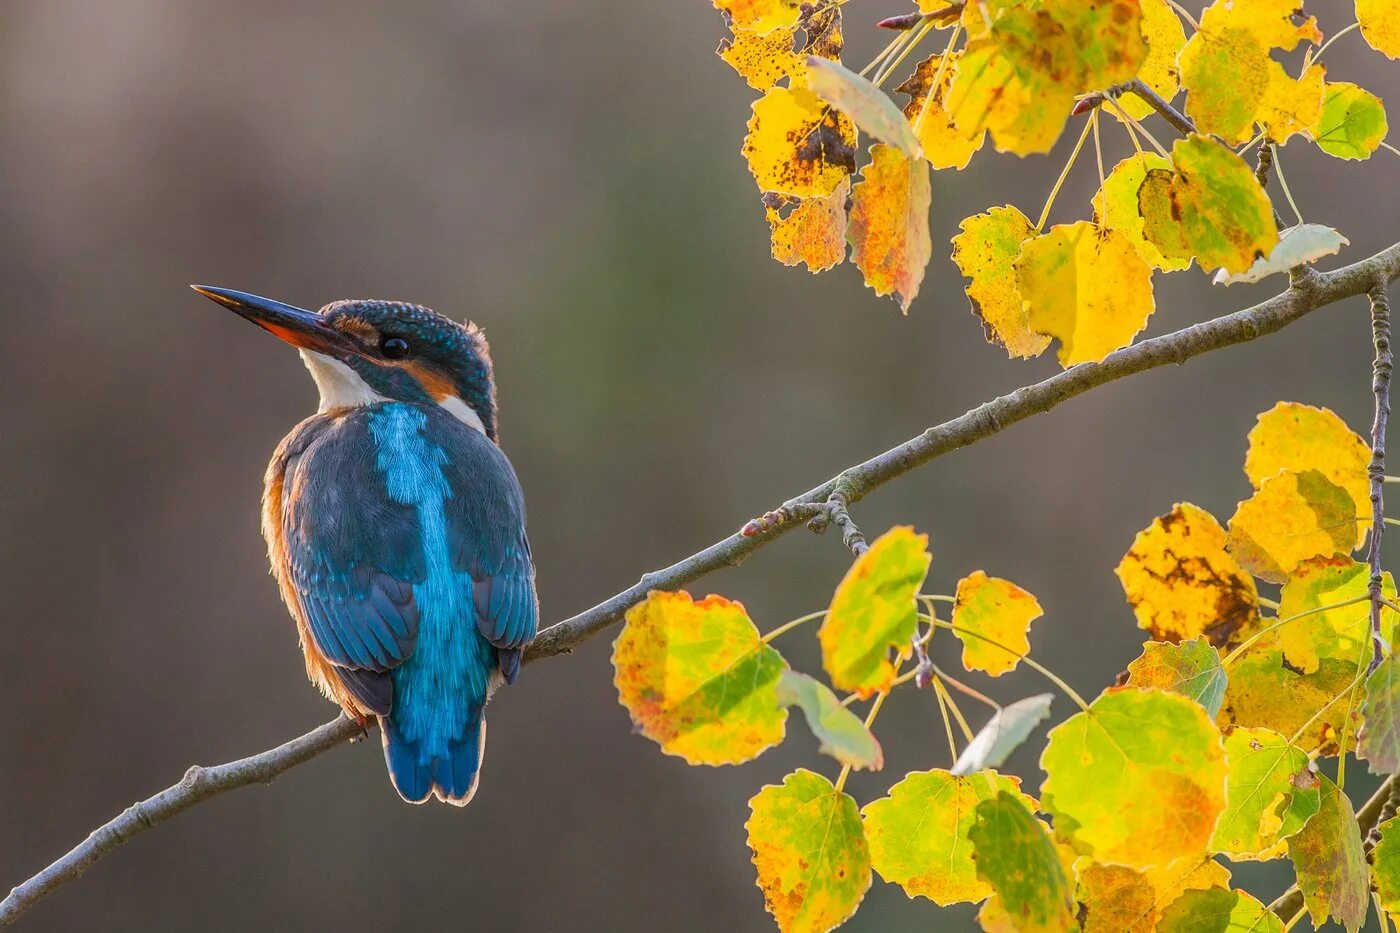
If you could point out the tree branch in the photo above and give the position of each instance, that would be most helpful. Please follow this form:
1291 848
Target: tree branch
1307 293
1380 387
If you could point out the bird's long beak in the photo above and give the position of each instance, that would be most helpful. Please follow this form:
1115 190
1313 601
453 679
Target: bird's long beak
297 326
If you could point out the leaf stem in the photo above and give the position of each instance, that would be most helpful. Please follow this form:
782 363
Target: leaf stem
1098 146
1059 183
1267 603
898 40
1137 125
947 725
1031 662
938 77
1283 183
1335 36
917 37
869 720
1184 14
953 705
789 626
964 688
1281 622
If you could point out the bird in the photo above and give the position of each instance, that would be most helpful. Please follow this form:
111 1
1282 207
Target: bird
395 527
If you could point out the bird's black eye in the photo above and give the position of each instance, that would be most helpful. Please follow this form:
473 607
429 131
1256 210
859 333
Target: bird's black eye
395 348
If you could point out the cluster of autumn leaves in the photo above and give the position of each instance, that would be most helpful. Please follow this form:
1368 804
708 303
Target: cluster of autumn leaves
1208 746
1012 71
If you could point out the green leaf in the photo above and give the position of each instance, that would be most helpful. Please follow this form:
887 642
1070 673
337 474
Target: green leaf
1380 715
1015 855
1270 794
842 734
1297 246
1003 734
1216 910
1168 778
870 108
1353 121
810 852
698 680
1331 862
873 611
1191 669
1385 865
918 834
1210 207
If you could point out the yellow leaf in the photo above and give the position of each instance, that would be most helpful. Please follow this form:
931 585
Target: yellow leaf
1168 778
1290 105
889 235
1336 633
1210 207
944 146
761 16
1165 37
762 59
1226 75
986 251
697 679
1108 37
810 851
873 611
998 610
1024 114
1380 25
1297 437
797 145
918 834
1291 518
1116 207
1118 899
1192 669
814 232
1272 22
1182 584
1265 692
1352 124
1087 287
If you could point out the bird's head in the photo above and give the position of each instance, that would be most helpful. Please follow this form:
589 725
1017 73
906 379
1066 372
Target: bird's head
365 351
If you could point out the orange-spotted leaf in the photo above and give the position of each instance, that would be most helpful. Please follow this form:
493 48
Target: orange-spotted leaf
943 144
1116 207
1118 899
1331 862
762 59
1298 437
1014 854
889 223
1291 518
1086 286
1218 909
761 16
1168 786
1271 792
918 834
1108 36
992 618
1311 709
1385 863
1380 25
1192 669
986 252
1210 207
698 680
798 145
1181 582
871 109
810 851
873 611
1290 104
1297 246
1317 632
1352 123
1165 37
813 232
1226 75
842 734
1380 718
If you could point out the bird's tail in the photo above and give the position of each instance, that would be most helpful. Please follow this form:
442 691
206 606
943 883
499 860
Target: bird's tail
434 766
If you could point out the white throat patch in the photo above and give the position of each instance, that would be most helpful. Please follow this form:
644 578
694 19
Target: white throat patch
341 387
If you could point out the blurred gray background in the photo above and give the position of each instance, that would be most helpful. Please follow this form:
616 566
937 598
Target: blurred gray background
568 175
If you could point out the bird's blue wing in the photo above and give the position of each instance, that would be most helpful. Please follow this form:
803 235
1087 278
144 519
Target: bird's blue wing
354 555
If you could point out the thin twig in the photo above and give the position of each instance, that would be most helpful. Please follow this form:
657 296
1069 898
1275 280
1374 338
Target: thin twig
991 418
1380 388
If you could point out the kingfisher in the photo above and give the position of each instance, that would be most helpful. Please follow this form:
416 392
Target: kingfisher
395 527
